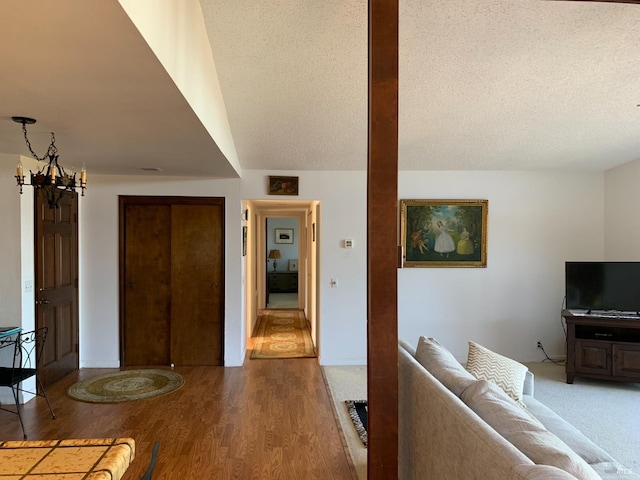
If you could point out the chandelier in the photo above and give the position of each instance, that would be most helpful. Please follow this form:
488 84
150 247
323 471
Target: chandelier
52 177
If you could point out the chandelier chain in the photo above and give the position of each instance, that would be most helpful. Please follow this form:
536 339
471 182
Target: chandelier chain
51 151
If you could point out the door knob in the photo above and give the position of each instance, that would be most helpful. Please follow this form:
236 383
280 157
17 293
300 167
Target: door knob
42 302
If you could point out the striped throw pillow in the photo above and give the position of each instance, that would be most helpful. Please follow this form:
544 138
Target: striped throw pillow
508 374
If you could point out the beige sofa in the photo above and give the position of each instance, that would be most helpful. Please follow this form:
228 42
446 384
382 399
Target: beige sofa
441 437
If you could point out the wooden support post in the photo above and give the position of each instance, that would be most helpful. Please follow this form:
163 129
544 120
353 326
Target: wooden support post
382 240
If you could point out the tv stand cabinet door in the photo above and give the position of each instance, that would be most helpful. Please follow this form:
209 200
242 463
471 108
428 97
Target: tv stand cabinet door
593 357
626 361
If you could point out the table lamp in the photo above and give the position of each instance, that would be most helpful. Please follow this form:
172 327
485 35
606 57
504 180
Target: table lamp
275 254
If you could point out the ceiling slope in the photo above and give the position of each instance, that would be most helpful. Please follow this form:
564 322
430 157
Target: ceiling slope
84 71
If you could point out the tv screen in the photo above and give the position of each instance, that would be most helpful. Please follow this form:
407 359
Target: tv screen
603 286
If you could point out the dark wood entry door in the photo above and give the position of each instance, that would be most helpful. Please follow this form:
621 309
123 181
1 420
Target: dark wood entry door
56 260
172 280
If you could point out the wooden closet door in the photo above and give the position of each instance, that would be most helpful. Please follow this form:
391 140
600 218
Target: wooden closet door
172 302
147 284
197 284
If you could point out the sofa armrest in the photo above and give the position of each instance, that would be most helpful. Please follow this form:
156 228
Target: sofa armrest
528 384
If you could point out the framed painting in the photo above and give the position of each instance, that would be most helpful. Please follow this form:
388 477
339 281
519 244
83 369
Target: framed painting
244 241
284 235
283 185
444 233
293 265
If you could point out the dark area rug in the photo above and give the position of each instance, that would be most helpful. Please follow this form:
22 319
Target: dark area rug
125 386
358 413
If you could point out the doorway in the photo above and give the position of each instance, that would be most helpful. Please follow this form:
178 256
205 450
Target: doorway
282 237
171 280
305 215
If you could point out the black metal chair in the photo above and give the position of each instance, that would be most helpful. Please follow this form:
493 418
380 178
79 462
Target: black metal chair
27 357
148 475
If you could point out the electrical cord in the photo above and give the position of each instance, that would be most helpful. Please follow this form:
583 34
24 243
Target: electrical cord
562 321
549 359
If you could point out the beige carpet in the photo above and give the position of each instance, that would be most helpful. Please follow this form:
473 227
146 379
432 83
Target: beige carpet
283 300
606 412
349 383
282 334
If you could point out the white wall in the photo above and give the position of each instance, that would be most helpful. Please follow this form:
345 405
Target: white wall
172 29
17 297
99 317
622 221
537 221
342 312
10 247
17 307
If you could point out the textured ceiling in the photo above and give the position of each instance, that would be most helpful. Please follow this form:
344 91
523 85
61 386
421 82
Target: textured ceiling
484 84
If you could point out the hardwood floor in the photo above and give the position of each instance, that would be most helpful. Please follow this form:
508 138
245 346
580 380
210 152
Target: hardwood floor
270 419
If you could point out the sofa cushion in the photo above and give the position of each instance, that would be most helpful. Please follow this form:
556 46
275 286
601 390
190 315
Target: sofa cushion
603 463
528 435
504 372
443 365
541 472
569 434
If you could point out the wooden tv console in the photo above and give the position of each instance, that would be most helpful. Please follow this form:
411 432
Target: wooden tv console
602 346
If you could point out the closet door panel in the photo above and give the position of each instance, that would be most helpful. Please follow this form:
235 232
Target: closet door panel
147 284
197 284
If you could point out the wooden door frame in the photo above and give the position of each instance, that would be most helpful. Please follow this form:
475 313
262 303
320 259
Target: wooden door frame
123 201
256 257
262 215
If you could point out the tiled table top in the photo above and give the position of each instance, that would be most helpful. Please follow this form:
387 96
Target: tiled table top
87 459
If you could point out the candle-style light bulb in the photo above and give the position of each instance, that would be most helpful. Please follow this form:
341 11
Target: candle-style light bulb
19 169
53 173
83 175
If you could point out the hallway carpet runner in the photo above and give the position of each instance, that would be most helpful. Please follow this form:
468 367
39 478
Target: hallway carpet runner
283 334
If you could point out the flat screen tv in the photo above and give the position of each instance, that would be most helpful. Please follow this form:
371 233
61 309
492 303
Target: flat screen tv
603 286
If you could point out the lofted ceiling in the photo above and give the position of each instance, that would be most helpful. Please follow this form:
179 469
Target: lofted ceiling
484 85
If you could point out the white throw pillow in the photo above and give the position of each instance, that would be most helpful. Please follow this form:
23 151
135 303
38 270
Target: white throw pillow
508 374
443 365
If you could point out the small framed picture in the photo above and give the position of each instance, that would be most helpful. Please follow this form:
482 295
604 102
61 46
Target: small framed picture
284 235
244 241
293 265
283 185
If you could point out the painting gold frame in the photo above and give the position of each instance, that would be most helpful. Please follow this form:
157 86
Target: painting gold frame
444 233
